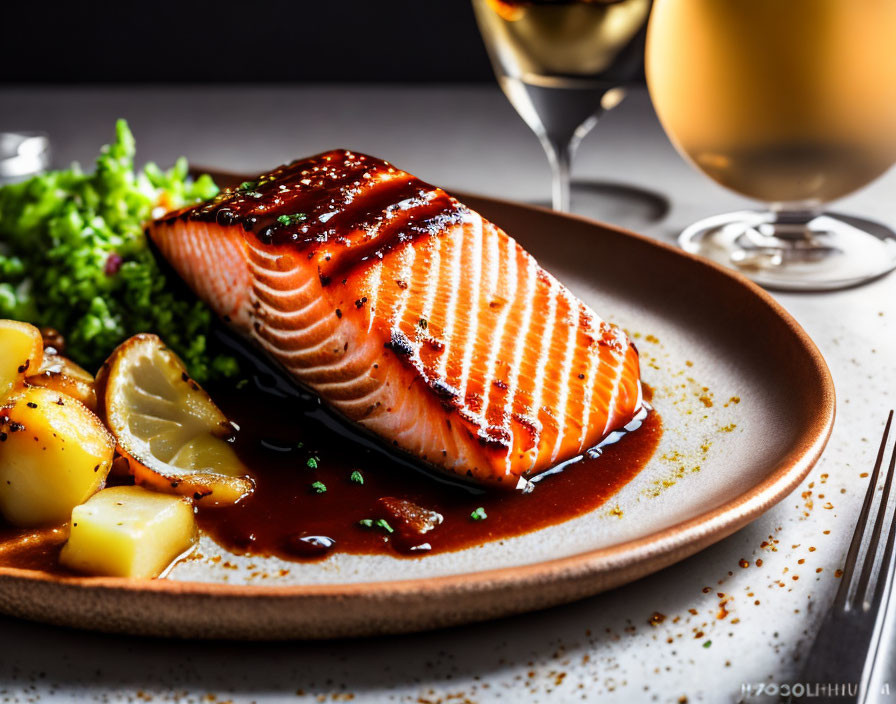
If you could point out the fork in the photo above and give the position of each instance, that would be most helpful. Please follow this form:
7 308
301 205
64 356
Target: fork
847 644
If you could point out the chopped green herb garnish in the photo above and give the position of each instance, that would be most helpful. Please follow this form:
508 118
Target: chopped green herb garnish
319 488
707 644
312 462
378 523
356 477
423 323
293 219
479 514
247 185
300 445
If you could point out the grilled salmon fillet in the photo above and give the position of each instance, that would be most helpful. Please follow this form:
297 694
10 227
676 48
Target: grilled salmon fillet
409 314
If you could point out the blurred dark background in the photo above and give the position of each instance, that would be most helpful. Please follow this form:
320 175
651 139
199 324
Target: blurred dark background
270 41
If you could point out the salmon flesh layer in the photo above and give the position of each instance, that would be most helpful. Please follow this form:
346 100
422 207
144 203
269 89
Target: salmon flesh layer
409 314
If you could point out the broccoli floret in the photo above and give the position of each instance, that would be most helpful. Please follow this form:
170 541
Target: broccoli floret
73 256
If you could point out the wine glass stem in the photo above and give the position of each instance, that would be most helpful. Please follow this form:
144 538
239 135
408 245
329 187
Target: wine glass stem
792 224
560 156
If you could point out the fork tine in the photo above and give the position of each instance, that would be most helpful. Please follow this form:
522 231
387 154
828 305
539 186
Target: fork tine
855 546
859 599
878 604
891 540
849 639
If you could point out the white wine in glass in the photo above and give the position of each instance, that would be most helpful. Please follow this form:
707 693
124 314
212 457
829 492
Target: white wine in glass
788 102
561 63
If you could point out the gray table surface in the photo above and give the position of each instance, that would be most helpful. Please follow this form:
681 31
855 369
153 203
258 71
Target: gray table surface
469 138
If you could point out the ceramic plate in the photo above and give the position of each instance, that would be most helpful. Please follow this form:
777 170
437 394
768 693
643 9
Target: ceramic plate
747 404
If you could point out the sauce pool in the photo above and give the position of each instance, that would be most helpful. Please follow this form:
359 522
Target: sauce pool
319 492
310 499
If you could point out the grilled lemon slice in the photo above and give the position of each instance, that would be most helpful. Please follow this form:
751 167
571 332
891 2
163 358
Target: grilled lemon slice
174 437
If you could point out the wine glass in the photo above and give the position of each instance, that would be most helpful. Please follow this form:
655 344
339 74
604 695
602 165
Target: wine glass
792 103
561 63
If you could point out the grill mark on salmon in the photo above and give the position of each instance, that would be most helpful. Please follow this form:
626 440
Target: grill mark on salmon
409 314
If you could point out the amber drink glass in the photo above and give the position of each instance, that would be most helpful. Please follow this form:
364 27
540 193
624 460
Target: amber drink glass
791 103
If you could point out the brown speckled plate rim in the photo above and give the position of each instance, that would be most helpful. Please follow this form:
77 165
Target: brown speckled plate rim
635 557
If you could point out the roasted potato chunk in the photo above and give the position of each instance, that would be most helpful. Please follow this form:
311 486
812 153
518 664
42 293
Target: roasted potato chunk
128 531
54 454
62 374
21 353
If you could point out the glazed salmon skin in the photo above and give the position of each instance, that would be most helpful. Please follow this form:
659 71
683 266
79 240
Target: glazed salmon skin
409 314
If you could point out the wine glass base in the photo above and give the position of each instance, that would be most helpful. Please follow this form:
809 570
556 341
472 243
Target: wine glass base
827 252
620 204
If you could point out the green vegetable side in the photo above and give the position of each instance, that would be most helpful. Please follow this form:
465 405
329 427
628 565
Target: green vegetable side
73 256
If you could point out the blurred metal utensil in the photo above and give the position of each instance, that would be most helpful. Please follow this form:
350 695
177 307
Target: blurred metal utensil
23 154
846 647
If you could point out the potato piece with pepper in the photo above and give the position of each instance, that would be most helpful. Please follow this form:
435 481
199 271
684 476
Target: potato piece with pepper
21 350
54 454
128 531
62 374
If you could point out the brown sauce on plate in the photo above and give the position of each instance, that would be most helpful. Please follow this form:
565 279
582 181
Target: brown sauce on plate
33 548
319 491
309 499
